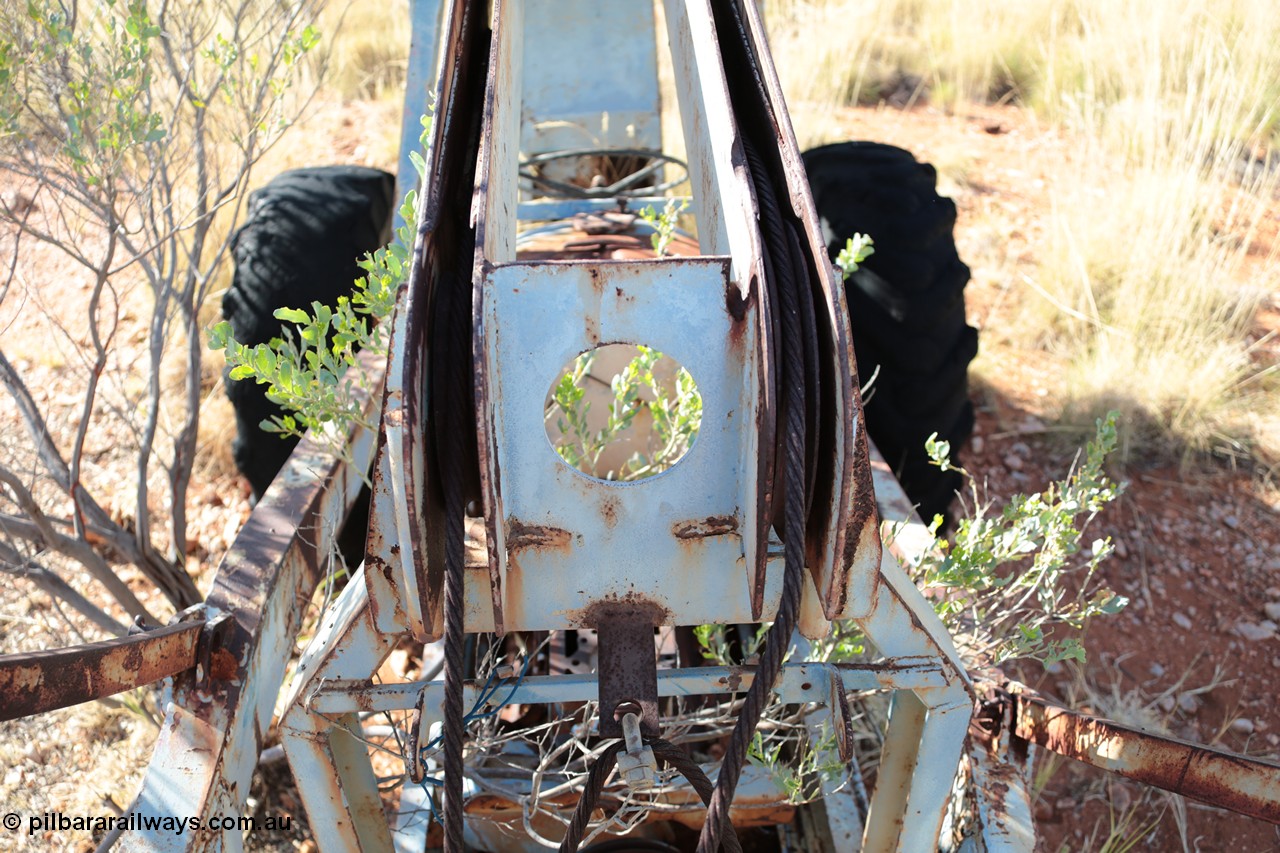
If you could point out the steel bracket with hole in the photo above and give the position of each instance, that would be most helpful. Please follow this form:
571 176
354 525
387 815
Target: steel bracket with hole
565 547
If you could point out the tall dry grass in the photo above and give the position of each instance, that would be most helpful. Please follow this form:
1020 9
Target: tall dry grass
370 47
1149 284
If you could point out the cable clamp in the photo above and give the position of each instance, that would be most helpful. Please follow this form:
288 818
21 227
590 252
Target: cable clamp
636 764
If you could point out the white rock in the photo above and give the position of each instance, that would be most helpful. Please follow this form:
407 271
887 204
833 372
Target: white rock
1272 609
1242 726
1013 462
1181 620
1256 632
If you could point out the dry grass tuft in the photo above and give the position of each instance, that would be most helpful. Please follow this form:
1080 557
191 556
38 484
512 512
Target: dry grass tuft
1154 274
370 42
1148 287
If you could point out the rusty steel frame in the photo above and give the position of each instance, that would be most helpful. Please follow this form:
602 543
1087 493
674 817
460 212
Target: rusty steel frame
228 656
212 733
799 683
1239 783
1000 766
851 576
320 729
1014 720
36 682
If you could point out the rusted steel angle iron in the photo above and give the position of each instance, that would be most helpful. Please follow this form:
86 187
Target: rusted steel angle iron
36 682
209 743
1238 783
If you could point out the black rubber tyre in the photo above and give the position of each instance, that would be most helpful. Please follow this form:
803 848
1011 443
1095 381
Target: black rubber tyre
299 244
906 305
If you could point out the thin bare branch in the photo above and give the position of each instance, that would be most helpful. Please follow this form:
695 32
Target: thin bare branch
77 548
56 588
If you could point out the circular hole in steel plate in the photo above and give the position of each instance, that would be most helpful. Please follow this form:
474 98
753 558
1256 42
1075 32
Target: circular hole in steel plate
622 412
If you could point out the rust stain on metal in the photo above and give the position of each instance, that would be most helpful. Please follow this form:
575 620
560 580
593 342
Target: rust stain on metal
862 535
734 679
628 667
766 414
223 665
1239 783
521 536
741 815
591 312
1000 775
591 615
714 525
736 304
609 511
36 682
492 807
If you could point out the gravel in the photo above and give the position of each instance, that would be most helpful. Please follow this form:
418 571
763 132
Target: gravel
1242 726
1256 632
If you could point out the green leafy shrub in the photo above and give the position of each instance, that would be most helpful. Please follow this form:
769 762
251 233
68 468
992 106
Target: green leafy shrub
676 417
306 368
1017 583
856 250
663 224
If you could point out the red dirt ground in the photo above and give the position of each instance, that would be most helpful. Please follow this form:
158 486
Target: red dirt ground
1199 549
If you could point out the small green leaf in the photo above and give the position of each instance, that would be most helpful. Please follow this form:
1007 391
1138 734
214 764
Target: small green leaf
1114 605
219 334
292 315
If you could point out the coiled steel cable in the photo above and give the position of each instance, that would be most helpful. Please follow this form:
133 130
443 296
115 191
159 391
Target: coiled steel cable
781 264
454 406
788 287
666 752
590 797
459 398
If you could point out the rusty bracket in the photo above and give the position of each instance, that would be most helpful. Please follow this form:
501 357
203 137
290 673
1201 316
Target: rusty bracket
416 765
841 717
992 713
214 662
628 667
